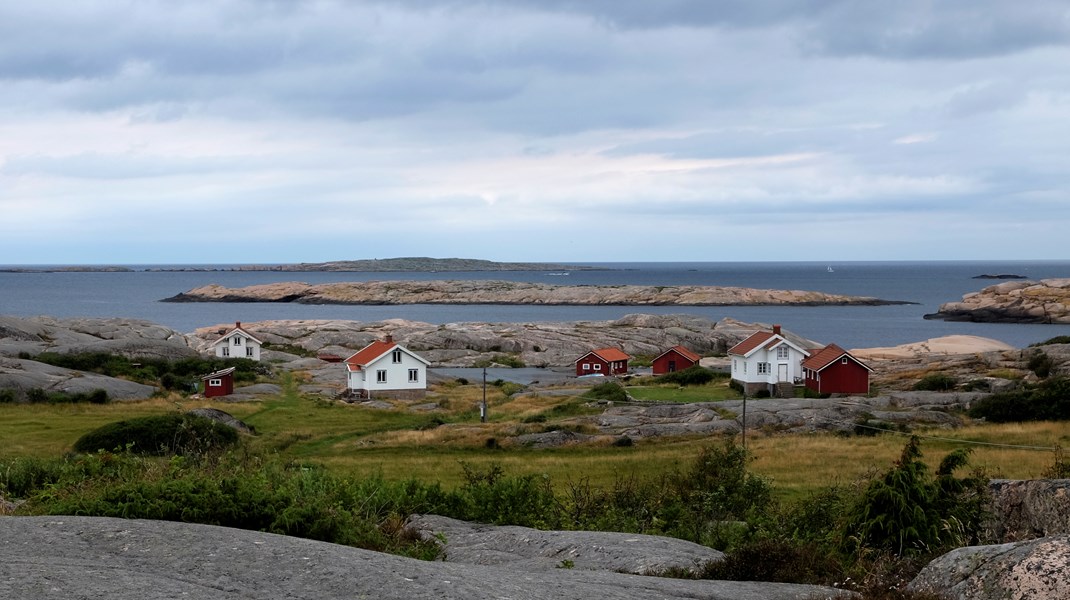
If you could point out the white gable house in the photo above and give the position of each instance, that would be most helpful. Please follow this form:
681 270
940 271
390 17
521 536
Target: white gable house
385 368
767 361
237 343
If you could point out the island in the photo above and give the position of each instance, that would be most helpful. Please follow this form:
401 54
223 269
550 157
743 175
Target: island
511 292
1046 301
408 264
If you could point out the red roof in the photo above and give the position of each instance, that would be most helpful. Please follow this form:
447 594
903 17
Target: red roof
607 354
684 352
756 340
368 354
828 355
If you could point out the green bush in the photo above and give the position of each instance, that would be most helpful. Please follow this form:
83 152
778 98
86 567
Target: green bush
777 560
936 382
1060 339
695 375
1047 401
1041 364
608 390
160 435
7 396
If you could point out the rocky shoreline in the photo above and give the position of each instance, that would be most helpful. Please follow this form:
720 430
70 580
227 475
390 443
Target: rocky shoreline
1046 302
511 292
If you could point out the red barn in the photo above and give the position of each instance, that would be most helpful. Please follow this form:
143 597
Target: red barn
220 383
674 359
832 370
604 361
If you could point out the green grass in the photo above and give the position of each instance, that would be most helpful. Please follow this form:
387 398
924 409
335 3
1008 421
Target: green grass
718 390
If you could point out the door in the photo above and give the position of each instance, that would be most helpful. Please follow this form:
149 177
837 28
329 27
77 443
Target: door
782 372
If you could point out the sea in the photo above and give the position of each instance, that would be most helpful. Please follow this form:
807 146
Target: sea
137 293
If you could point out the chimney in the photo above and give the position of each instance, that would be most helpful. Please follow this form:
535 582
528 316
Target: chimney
776 329
389 339
237 324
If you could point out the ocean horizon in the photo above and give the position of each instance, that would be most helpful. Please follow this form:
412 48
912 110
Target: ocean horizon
136 293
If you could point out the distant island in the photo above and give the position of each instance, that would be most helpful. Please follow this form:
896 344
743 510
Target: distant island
67 269
511 292
999 276
409 264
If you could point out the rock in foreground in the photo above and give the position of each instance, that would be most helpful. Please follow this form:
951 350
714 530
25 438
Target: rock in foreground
1033 570
1047 301
512 292
96 557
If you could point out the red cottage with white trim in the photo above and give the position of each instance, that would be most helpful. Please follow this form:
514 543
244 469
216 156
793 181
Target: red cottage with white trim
832 370
604 361
674 359
220 383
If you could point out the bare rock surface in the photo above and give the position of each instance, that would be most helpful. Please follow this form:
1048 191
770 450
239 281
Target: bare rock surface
132 338
96 557
1030 570
1044 301
23 375
1029 508
513 292
223 417
791 415
527 549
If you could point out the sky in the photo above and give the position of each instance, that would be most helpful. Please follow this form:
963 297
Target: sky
280 131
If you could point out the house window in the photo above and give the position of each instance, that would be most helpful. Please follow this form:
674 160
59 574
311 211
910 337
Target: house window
414 375
843 361
586 366
763 368
380 376
237 340
215 382
226 351
597 367
782 352
744 367
396 356
249 351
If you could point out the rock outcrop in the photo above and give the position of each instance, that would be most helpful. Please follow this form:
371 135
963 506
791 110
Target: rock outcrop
512 292
132 338
24 375
527 549
1027 509
1046 301
1031 570
95 557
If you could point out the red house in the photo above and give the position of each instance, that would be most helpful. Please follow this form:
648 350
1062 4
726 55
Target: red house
220 383
604 361
832 370
675 359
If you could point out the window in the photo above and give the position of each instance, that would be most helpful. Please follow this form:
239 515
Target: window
763 368
586 366
414 375
237 340
843 361
396 356
226 351
782 352
597 367
249 351
215 382
380 376
744 367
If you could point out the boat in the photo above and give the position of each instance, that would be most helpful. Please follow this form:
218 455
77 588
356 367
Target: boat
830 269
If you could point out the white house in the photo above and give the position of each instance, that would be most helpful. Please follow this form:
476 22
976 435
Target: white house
237 343
385 368
767 361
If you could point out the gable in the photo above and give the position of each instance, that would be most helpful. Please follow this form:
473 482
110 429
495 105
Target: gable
376 351
682 352
237 329
764 339
607 355
830 355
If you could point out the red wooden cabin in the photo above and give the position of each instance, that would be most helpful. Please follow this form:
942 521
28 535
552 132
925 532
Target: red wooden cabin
674 359
832 370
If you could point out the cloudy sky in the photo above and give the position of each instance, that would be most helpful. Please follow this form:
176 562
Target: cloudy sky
543 130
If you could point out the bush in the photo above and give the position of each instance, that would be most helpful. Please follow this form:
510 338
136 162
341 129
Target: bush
1059 339
7 396
160 435
1047 401
1041 364
936 382
608 390
695 375
776 560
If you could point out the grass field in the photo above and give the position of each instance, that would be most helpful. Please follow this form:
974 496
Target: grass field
402 444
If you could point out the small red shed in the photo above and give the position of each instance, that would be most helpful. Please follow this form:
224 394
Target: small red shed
220 383
604 361
674 359
832 370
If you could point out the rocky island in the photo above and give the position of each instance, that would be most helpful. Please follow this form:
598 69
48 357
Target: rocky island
1046 301
511 292
408 264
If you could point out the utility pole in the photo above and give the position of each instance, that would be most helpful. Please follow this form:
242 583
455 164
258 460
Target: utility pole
483 409
744 417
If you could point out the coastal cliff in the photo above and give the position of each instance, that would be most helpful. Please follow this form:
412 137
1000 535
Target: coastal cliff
510 292
1046 301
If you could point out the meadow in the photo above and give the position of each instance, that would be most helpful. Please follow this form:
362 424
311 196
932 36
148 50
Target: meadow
400 444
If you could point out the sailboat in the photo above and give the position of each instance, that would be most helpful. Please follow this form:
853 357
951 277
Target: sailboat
830 269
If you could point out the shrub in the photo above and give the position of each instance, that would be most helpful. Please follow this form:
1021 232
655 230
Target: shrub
776 560
159 435
608 390
1047 401
1059 339
695 375
936 382
1041 364
7 396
